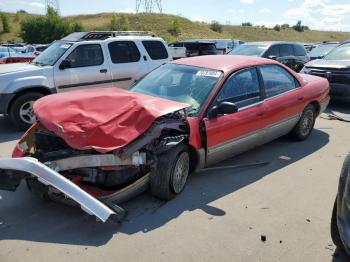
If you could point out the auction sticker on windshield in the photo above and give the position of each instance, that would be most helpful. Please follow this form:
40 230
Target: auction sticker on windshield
215 74
65 46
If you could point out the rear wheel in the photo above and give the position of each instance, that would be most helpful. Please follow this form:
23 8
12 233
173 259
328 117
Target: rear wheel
21 111
305 125
169 176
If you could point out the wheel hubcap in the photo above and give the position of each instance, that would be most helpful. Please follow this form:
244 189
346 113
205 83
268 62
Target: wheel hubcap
181 171
26 113
307 122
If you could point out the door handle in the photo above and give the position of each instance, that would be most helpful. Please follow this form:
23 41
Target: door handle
301 98
260 113
103 71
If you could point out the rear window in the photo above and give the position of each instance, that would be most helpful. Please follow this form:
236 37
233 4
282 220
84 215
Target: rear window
286 50
155 49
299 50
123 52
207 46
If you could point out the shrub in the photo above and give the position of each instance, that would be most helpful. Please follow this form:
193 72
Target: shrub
45 29
175 29
119 23
299 27
216 26
5 23
285 26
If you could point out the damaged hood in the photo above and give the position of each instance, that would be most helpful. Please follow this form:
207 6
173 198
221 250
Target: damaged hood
101 119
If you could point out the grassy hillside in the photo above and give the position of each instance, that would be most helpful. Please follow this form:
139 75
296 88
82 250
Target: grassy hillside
160 24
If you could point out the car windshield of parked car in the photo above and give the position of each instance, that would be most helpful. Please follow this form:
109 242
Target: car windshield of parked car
54 52
322 50
249 50
340 53
181 83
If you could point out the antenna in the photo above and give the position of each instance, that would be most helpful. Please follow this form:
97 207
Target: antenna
148 6
54 4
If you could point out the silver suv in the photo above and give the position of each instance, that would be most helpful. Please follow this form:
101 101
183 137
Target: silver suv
80 60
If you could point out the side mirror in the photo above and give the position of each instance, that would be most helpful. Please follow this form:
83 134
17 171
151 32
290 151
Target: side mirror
65 64
272 57
224 108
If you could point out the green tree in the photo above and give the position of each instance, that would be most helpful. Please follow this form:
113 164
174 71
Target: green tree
285 26
114 23
299 27
247 24
124 24
216 26
5 23
277 28
45 29
175 29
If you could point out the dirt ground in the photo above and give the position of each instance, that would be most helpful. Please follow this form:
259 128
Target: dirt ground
220 216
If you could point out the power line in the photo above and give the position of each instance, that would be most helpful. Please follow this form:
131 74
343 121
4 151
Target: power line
148 6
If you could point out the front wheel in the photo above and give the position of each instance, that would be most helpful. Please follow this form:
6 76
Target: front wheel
305 125
169 176
21 111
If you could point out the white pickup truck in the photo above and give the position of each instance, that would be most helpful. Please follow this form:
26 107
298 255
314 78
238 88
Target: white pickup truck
80 60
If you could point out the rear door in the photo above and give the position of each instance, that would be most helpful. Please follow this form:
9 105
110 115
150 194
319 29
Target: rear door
284 100
127 64
156 53
228 135
87 68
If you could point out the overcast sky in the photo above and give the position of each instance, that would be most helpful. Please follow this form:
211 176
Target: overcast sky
318 14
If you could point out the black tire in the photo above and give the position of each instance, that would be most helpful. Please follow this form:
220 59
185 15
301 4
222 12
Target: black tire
163 175
16 106
334 228
305 125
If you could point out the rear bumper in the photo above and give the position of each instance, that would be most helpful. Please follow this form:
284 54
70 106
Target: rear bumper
5 100
30 166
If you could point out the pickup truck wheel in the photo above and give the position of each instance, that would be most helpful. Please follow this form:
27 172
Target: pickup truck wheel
169 176
334 228
21 111
305 125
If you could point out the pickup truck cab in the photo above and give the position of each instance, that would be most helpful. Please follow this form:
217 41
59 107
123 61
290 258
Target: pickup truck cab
79 61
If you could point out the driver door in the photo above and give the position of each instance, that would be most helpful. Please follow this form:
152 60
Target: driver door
231 134
86 68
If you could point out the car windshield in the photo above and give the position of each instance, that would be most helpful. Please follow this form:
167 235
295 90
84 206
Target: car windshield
249 50
322 50
7 50
181 83
52 54
339 53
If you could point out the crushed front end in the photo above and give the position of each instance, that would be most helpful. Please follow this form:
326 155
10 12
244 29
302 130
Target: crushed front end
96 181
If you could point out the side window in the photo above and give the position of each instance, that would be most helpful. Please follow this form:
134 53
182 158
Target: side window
155 49
299 50
86 55
276 80
286 50
123 52
273 51
242 88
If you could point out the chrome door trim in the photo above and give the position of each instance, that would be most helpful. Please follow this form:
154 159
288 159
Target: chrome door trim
243 143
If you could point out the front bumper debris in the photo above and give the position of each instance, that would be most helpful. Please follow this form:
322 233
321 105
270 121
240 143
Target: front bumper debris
13 170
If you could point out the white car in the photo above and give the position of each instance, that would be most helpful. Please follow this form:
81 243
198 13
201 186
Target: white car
80 60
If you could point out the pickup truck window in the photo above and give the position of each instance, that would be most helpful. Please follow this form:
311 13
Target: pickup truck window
276 80
155 49
52 53
123 52
86 55
242 88
286 50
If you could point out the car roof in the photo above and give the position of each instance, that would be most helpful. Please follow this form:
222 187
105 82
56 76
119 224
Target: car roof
269 43
225 63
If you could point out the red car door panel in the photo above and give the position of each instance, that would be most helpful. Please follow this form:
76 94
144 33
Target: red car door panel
230 135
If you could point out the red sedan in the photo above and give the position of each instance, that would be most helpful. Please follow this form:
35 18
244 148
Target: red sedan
99 147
